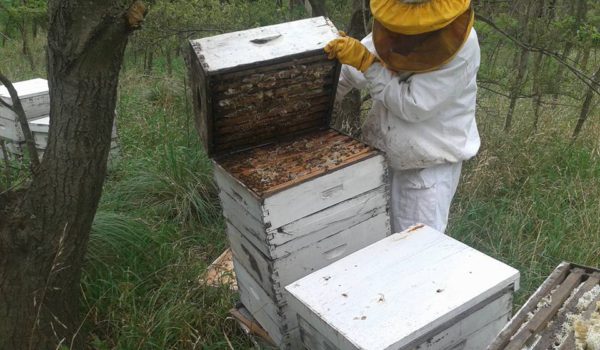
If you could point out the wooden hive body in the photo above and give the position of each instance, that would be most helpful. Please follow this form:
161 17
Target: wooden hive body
562 314
418 289
34 97
296 194
262 85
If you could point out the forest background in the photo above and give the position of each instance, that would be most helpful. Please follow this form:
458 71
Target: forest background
531 197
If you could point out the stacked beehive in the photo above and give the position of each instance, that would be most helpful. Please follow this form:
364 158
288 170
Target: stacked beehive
36 104
296 195
35 98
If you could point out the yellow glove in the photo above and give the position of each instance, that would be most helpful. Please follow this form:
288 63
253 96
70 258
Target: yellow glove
351 52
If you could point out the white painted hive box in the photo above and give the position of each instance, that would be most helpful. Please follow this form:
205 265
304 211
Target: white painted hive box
296 194
418 289
41 126
34 96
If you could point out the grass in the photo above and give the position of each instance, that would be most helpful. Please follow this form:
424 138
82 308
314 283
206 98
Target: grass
529 198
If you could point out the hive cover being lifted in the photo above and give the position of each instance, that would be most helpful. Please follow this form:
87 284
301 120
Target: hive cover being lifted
262 85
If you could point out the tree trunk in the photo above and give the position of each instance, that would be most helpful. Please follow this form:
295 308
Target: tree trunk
585 57
169 58
537 88
579 12
149 63
45 228
318 8
585 109
523 58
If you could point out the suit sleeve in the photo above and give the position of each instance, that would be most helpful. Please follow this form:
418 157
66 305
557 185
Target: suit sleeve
422 96
350 78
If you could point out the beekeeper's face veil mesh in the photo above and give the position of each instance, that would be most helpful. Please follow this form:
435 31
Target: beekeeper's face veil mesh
441 25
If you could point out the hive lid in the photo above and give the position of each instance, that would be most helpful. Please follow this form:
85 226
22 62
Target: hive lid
234 50
27 88
399 289
261 85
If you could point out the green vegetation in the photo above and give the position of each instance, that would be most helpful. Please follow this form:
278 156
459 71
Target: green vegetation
530 198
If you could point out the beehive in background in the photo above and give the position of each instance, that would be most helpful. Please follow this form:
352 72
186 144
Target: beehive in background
296 195
35 99
418 289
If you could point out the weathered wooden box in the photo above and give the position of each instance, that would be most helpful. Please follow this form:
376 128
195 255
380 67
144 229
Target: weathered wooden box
563 314
418 289
296 194
34 97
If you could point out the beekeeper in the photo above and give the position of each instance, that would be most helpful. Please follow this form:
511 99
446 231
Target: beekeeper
419 64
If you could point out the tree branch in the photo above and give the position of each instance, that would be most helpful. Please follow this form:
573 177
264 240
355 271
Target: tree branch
17 108
586 79
6 162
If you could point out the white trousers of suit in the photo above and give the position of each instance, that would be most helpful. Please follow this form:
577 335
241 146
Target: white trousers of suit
423 196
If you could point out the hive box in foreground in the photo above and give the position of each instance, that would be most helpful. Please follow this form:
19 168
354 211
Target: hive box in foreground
296 194
418 289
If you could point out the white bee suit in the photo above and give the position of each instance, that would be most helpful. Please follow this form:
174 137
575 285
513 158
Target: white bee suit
425 123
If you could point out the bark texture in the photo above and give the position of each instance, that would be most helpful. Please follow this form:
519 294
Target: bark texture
45 228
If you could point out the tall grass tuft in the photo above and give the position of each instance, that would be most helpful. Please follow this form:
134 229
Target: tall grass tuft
532 200
178 186
141 289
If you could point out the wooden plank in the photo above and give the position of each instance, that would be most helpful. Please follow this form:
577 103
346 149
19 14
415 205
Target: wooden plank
258 72
235 189
201 99
482 338
465 325
10 130
544 315
277 242
548 335
325 191
326 222
279 321
253 327
569 343
233 50
556 277
419 280
273 275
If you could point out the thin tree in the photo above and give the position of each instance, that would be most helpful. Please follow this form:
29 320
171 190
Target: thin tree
45 227
585 108
347 114
523 59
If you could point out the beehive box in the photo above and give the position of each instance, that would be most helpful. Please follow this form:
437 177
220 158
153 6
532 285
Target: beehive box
34 97
39 128
563 314
418 289
296 194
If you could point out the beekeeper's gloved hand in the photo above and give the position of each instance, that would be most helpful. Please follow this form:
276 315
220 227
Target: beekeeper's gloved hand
351 52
